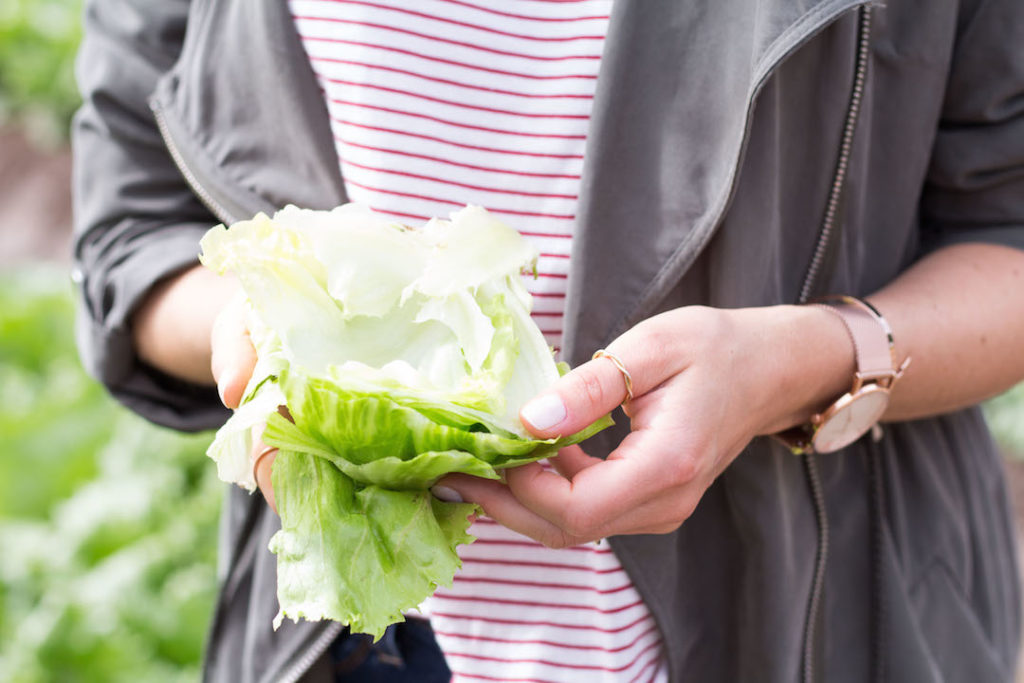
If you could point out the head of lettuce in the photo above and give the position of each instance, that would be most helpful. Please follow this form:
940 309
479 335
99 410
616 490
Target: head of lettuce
402 355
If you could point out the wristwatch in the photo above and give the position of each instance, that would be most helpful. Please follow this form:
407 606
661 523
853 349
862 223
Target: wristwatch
858 410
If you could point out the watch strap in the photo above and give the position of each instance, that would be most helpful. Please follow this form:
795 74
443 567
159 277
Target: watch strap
870 333
875 357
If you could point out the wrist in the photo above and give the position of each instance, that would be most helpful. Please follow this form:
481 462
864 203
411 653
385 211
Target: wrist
806 359
171 328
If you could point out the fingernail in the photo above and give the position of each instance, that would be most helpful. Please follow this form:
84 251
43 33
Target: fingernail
544 412
447 494
228 380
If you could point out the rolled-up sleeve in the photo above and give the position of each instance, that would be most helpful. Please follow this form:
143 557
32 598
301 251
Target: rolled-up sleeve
975 186
136 221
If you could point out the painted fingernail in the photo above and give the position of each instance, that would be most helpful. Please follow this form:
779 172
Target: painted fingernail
544 412
221 388
447 494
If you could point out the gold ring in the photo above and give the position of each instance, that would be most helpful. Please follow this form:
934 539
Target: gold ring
621 367
256 461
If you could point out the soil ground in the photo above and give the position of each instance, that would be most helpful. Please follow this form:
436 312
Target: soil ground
35 201
35 224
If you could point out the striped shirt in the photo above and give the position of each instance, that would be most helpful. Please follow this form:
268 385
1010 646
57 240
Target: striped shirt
435 104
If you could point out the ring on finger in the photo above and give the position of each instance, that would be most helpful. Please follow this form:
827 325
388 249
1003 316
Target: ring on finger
621 367
256 461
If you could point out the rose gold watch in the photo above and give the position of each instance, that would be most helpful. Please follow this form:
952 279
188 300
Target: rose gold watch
858 410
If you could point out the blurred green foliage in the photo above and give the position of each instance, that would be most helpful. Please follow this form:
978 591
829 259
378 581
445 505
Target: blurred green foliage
38 41
107 523
1005 416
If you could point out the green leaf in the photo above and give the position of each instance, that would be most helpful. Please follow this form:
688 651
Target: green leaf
416 473
359 555
364 427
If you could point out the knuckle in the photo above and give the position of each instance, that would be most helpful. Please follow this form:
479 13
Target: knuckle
587 385
716 327
667 527
557 540
682 469
578 524
686 507
658 337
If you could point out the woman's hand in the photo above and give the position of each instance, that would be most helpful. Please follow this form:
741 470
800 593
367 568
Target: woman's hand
705 381
192 326
232 361
232 356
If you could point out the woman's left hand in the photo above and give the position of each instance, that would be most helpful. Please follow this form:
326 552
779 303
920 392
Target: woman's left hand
705 381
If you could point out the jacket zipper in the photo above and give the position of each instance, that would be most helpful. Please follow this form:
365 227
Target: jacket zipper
852 114
314 652
813 270
201 192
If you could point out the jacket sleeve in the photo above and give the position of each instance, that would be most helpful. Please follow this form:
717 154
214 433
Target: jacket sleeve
974 191
136 220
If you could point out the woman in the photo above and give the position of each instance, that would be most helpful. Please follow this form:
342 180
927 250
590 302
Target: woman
738 163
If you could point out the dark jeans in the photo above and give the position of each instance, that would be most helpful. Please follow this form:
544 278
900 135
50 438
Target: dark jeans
406 653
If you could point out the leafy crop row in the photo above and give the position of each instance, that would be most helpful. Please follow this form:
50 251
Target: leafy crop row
107 523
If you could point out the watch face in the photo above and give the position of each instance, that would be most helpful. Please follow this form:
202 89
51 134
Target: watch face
850 418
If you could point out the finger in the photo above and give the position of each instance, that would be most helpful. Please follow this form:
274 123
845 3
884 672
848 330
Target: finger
499 504
264 461
262 457
597 387
571 460
575 400
660 515
233 356
596 499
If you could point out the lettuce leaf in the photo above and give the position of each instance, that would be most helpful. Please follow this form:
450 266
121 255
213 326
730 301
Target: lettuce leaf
401 355
378 551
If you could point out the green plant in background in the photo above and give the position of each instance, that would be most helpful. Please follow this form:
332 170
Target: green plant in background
1005 415
107 524
38 41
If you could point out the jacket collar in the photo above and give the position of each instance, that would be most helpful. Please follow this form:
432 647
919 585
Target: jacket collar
244 116
699 63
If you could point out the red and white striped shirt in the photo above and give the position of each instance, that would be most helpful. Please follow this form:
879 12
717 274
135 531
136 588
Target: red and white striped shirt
436 104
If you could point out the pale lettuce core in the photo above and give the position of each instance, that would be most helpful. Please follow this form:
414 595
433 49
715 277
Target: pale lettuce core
402 355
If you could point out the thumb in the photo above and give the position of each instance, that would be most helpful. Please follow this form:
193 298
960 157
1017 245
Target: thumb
575 400
232 358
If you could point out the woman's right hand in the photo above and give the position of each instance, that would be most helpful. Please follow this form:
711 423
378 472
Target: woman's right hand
192 326
232 360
